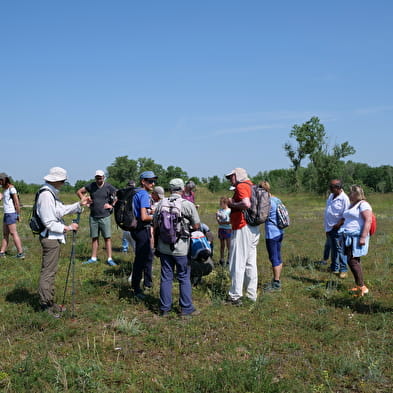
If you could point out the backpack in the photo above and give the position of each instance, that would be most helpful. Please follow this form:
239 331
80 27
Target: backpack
35 222
124 209
373 226
283 219
258 212
200 249
170 221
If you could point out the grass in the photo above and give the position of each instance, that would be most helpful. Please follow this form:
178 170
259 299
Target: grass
310 337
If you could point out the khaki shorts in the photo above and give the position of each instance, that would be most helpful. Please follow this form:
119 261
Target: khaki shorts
101 226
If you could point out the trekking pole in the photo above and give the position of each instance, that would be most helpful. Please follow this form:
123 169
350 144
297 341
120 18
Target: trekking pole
72 263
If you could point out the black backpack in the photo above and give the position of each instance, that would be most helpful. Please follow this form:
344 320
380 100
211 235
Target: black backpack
124 209
35 222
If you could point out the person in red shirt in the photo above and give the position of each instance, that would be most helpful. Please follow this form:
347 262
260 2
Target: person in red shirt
245 238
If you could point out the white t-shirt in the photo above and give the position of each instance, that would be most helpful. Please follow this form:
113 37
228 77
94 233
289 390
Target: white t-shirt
335 208
8 203
354 221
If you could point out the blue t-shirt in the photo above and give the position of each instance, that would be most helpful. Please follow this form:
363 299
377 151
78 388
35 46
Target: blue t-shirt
271 229
141 199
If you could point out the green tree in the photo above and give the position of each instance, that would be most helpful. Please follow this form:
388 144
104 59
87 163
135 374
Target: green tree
310 140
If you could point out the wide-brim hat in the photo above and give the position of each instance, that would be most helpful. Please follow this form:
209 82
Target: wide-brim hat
160 191
56 174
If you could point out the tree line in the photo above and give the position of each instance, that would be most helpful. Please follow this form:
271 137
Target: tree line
309 144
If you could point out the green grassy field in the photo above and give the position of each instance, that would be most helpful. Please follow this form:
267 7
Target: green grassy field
313 336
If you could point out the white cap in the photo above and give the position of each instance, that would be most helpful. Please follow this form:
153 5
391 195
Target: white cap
99 172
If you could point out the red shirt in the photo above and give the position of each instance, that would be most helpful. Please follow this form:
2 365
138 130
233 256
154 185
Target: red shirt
243 190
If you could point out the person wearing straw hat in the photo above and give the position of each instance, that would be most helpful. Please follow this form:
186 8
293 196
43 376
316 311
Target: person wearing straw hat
51 211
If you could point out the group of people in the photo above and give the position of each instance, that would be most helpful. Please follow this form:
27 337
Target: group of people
347 225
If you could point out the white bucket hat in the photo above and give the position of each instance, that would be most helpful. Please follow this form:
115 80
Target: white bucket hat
56 174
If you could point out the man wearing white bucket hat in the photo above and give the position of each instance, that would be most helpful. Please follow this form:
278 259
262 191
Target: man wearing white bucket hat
51 210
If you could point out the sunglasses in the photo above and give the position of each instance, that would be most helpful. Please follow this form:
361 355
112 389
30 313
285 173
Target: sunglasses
150 181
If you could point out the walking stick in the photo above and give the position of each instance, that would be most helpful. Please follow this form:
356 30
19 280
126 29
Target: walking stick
72 263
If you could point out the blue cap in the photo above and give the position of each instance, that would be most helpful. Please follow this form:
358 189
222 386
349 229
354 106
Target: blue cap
148 175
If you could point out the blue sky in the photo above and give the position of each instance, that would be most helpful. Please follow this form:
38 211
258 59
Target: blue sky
204 85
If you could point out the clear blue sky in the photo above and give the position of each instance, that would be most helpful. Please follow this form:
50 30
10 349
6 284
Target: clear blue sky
204 85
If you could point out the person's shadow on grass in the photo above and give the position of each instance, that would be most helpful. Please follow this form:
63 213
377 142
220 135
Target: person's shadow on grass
23 295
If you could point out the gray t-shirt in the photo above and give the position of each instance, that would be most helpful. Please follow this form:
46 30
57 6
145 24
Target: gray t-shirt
100 196
190 217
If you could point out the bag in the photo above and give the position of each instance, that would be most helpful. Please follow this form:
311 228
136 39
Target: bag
258 212
124 209
200 249
373 226
35 222
170 221
283 219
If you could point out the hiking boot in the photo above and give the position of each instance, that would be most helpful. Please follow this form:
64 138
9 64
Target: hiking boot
111 262
21 255
190 314
91 260
272 286
234 302
222 262
322 262
54 310
343 275
164 314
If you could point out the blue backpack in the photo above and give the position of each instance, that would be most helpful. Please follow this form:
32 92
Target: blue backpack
200 249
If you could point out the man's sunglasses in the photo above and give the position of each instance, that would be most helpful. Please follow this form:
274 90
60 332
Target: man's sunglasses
150 181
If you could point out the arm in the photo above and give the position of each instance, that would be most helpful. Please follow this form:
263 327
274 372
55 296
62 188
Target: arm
245 203
366 214
145 216
15 199
82 191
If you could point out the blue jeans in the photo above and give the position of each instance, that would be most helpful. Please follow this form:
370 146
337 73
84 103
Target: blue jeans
143 262
339 260
183 269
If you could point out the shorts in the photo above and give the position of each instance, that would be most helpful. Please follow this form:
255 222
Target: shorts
224 233
101 226
10 218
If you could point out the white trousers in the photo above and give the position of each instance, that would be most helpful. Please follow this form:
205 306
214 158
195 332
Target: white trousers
243 262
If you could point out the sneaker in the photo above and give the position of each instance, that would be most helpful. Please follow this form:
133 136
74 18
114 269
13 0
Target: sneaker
2 254
322 262
124 250
21 255
164 314
140 295
234 302
272 286
190 314
91 260
343 275
330 270
111 262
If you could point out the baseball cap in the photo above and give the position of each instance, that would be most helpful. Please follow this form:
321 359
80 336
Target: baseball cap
176 184
99 172
56 174
148 175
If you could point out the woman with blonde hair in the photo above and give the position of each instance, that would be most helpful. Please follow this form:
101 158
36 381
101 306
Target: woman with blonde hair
273 238
356 229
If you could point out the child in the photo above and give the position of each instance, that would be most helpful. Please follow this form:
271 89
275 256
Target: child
224 228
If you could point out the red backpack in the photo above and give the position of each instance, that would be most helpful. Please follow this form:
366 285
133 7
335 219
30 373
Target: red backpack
373 226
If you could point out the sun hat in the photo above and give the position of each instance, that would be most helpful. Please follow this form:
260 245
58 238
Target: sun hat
160 191
241 174
56 174
176 184
148 175
100 172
